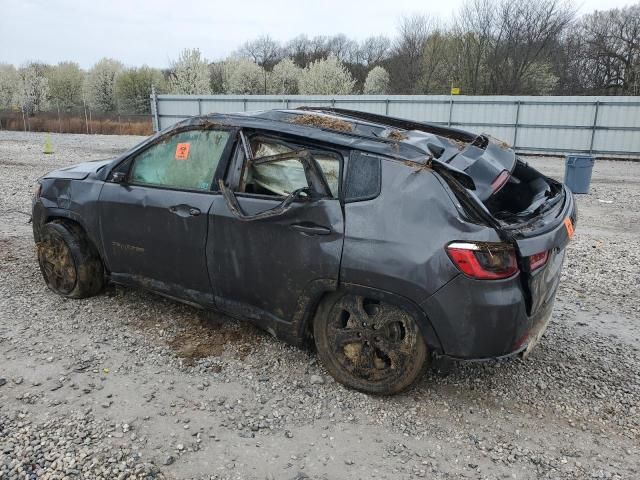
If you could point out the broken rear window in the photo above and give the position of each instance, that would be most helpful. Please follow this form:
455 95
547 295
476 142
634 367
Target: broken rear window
185 160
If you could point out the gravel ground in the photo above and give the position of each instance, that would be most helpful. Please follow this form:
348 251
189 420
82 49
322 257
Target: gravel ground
131 385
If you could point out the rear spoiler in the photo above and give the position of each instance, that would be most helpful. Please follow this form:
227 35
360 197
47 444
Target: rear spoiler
463 178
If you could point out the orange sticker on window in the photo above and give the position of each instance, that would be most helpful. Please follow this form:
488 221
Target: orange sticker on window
182 151
569 226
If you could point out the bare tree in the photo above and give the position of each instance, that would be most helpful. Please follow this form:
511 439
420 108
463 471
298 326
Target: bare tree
526 32
473 34
263 51
341 47
406 67
374 50
612 49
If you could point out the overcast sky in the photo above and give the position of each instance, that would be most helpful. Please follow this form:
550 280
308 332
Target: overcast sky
153 32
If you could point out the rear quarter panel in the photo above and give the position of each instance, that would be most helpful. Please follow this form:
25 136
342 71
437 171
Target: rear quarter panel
396 242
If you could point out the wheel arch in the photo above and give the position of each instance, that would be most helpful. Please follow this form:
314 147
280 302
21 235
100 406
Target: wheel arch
305 325
72 218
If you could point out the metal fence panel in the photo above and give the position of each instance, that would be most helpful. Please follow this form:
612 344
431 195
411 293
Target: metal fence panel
603 126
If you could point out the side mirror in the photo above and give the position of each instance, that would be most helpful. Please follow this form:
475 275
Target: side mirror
118 177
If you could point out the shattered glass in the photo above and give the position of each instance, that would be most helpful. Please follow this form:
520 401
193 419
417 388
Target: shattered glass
184 160
285 176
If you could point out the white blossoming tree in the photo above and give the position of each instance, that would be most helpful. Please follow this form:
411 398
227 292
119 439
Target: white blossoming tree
65 85
8 85
100 85
284 79
243 77
377 82
33 88
326 77
189 74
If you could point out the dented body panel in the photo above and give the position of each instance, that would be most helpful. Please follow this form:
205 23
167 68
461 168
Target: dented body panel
383 235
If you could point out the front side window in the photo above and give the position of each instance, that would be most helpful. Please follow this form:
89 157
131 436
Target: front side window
185 160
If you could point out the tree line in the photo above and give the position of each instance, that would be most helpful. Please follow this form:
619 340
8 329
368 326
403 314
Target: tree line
503 47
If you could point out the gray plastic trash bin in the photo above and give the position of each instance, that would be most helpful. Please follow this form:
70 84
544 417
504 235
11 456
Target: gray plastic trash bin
577 172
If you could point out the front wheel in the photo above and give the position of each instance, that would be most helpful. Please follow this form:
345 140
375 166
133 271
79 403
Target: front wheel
369 345
69 263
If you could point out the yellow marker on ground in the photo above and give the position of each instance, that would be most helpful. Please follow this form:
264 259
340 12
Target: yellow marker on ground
48 146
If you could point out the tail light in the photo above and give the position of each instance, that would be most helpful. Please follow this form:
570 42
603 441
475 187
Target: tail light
538 260
484 261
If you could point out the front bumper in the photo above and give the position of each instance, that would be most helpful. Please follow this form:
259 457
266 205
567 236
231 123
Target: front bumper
479 319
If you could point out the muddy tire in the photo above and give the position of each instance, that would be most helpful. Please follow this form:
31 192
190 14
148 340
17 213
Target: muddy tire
369 345
69 263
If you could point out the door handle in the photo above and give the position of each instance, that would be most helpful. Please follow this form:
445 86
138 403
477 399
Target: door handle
185 210
311 229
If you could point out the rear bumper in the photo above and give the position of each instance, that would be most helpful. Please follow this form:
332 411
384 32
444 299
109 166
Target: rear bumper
480 319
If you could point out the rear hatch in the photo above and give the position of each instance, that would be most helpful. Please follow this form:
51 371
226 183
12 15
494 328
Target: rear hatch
529 210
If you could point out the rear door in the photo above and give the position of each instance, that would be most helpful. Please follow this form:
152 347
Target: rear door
267 259
154 220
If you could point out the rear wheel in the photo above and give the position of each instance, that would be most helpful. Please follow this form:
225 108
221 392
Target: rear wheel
369 345
69 263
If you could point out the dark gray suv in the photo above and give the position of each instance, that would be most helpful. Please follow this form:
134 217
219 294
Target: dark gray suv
384 241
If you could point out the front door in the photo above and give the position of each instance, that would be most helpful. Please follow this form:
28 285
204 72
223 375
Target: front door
154 221
281 234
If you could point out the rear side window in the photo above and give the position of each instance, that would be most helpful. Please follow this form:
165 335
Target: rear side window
283 177
363 177
185 160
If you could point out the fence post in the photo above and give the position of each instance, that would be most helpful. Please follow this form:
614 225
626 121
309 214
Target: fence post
244 103
450 110
199 106
515 126
155 120
86 121
594 127
386 106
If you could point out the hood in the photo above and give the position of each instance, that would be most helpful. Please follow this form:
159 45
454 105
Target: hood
79 171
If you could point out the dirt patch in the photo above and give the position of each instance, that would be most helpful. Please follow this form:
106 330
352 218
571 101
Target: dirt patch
210 339
321 121
397 135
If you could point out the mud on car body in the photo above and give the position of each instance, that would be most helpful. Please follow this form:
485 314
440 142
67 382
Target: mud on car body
383 241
